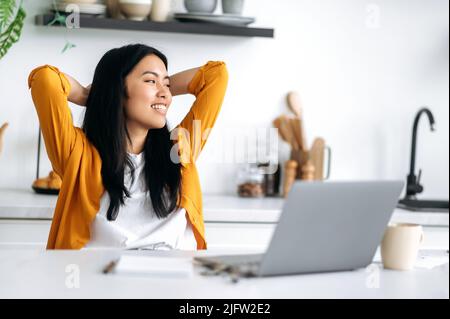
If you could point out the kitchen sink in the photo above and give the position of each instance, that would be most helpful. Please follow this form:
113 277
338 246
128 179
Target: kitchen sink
424 205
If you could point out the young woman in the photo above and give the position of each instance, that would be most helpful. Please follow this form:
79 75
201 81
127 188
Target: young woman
127 181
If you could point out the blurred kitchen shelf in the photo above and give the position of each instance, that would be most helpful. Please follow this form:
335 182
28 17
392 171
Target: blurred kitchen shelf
170 26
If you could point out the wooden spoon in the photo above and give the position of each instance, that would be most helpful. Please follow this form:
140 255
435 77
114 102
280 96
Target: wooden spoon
280 124
286 128
277 124
298 133
294 103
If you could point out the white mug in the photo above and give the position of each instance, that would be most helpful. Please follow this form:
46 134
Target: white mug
160 10
400 246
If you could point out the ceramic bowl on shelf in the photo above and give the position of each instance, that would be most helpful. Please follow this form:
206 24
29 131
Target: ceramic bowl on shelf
93 9
200 6
232 6
137 10
161 10
79 1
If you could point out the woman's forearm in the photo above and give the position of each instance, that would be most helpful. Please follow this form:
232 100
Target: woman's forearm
179 82
78 93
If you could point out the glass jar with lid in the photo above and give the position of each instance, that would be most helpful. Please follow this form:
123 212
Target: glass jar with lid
250 181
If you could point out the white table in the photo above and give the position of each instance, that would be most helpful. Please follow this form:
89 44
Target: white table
32 273
26 270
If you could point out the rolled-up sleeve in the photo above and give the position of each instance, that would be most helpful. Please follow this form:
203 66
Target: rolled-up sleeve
49 91
209 85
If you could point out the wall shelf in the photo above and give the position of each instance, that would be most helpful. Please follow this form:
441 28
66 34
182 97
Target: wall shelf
170 26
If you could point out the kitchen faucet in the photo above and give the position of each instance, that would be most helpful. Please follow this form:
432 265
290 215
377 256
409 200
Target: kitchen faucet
413 183
413 186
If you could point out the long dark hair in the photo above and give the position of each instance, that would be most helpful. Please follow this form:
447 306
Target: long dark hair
105 127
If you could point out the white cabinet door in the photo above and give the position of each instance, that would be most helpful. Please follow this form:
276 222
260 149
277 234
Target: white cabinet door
246 236
17 233
219 236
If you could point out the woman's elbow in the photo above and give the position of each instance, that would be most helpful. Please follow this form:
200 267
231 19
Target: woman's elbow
46 77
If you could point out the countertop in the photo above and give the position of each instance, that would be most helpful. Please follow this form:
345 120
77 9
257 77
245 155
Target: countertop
35 273
25 204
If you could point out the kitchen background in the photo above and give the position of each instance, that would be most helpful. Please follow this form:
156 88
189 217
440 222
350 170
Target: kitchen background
362 68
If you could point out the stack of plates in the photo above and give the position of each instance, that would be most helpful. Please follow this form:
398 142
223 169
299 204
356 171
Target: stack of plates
86 7
224 19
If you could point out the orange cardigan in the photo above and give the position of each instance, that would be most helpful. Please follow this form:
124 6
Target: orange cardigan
78 162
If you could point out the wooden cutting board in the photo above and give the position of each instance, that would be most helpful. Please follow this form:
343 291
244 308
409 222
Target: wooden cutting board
317 154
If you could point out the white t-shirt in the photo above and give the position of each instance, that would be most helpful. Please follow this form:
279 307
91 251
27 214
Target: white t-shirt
137 226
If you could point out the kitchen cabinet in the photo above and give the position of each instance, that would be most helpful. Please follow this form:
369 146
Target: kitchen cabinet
22 233
246 236
230 221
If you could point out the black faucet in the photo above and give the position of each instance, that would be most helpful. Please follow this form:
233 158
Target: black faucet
413 186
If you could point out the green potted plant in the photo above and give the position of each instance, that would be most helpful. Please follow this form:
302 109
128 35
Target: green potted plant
12 17
11 24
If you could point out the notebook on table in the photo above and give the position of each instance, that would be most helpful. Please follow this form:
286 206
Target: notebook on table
135 265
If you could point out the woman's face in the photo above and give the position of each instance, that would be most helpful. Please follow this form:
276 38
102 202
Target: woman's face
149 95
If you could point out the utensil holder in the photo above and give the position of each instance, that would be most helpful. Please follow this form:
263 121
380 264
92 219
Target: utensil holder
302 157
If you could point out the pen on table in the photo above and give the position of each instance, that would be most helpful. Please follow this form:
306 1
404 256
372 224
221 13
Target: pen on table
110 267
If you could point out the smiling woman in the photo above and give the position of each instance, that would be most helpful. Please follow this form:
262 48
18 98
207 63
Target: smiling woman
147 87
121 187
120 119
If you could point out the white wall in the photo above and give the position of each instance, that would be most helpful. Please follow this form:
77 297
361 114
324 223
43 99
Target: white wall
361 80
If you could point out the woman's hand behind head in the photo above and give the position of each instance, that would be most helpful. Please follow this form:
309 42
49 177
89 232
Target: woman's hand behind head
78 94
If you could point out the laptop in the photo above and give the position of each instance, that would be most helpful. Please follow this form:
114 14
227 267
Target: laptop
323 227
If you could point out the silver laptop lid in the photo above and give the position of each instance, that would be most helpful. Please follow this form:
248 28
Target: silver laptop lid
330 226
